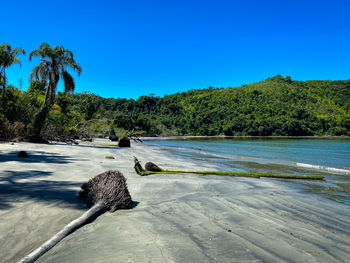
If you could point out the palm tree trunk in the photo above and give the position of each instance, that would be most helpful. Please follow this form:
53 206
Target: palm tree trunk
3 83
87 217
40 118
49 95
39 121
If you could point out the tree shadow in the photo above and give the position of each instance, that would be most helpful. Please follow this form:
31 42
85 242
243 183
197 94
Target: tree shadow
15 187
36 157
97 146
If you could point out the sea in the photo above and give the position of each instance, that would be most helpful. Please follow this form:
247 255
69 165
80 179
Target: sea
329 157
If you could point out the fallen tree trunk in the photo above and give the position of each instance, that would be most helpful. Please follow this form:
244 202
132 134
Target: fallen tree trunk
141 171
89 215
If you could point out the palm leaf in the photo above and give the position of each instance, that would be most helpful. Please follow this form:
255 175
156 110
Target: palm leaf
44 51
34 53
16 60
19 51
41 71
69 84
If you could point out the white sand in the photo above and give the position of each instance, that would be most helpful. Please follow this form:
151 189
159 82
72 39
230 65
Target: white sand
179 218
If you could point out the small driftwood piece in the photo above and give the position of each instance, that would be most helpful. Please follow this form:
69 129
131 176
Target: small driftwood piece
104 192
152 168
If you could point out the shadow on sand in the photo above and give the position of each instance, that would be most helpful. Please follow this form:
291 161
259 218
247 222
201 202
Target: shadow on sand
36 157
98 146
59 193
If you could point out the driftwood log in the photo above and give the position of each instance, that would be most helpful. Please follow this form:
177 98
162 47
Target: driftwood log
151 168
104 192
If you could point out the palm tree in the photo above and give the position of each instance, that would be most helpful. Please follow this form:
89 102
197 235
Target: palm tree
8 56
53 66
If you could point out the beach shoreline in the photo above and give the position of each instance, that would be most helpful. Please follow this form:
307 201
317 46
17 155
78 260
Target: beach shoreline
184 137
178 218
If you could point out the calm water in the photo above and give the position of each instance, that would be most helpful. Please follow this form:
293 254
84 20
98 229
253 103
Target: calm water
329 157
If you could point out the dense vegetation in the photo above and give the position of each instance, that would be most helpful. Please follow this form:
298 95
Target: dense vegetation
275 106
44 79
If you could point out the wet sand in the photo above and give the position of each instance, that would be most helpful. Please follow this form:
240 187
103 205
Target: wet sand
179 218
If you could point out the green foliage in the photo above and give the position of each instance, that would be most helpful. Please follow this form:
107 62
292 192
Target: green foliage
71 130
275 106
37 86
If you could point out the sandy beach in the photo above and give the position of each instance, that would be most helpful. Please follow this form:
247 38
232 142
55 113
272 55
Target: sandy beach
178 218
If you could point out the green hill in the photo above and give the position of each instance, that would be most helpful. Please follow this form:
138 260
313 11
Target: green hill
276 106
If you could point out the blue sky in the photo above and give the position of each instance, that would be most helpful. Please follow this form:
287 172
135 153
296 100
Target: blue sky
131 48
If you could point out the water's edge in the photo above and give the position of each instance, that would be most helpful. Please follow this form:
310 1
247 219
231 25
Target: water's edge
310 156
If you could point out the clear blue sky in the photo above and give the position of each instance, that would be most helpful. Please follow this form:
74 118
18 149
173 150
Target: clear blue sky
136 47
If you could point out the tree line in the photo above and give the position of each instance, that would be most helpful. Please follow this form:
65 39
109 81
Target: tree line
275 106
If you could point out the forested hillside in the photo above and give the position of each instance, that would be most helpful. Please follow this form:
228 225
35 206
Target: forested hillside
275 106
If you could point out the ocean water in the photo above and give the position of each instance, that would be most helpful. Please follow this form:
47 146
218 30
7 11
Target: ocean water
329 157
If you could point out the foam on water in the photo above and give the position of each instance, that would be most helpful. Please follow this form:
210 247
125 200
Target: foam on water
322 168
